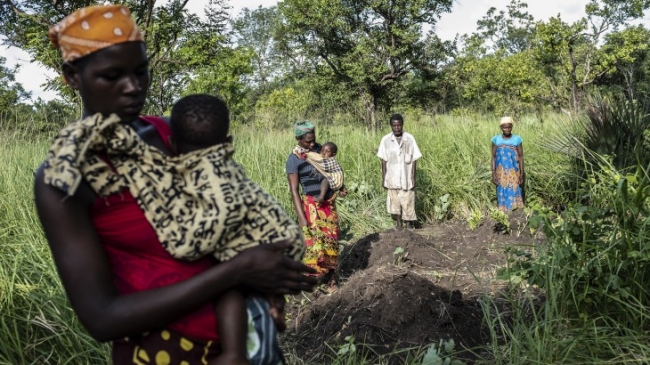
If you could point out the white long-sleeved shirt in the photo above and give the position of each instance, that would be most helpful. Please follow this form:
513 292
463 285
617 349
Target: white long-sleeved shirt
399 157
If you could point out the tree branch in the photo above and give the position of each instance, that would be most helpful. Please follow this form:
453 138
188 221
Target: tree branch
22 13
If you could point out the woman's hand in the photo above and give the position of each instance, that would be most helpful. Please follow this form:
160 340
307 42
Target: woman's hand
521 179
495 180
266 269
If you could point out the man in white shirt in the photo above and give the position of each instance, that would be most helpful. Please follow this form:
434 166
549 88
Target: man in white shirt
399 152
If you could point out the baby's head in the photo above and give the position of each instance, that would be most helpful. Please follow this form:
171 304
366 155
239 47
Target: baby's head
199 121
328 150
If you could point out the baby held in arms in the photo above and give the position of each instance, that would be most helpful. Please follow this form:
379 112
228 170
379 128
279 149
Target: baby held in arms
200 123
327 165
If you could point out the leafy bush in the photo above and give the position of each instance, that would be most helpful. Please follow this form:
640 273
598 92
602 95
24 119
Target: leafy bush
597 257
441 209
502 224
615 128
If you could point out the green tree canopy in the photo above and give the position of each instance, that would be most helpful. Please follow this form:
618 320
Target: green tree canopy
367 45
11 92
186 51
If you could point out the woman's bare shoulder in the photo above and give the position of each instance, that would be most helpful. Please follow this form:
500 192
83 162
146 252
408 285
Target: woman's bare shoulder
43 191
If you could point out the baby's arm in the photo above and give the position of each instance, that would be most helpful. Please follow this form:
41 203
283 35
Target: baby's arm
232 322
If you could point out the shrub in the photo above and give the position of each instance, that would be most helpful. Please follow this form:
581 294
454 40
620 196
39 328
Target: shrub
614 128
597 258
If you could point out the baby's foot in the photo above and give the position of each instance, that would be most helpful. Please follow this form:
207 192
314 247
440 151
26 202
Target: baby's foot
300 152
332 286
332 282
278 318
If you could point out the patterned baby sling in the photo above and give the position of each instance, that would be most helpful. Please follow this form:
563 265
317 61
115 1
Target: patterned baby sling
328 167
198 203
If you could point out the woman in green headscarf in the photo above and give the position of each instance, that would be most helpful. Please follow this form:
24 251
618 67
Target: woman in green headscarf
320 221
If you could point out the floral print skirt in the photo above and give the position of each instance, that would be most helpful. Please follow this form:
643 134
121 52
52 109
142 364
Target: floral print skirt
321 234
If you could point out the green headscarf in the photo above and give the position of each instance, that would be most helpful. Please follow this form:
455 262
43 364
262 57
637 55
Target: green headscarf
302 128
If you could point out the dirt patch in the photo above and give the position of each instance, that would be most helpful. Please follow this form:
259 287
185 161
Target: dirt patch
407 289
388 307
400 248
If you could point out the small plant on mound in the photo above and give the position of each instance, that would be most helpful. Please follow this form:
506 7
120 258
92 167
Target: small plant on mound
348 347
502 223
400 256
441 354
475 219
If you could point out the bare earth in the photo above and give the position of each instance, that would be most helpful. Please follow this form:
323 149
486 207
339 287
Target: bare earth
404 289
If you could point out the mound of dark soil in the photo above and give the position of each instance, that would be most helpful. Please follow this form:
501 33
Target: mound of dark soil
404 288
389 307
380 249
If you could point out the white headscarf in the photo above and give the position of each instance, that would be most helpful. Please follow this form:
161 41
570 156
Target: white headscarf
506 120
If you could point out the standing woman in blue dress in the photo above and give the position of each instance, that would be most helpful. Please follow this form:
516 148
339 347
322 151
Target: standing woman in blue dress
508 167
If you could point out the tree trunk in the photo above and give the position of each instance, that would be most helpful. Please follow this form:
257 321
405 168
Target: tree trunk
630 87
576 90
369 102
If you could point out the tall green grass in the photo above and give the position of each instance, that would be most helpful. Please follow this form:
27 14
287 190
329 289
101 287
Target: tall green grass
456 161
526 331
37 325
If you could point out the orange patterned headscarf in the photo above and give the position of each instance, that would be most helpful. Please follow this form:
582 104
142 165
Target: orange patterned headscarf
93 28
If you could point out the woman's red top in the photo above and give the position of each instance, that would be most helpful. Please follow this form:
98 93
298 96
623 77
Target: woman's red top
137 259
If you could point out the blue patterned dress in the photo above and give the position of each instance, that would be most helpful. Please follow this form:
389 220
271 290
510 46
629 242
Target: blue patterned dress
509 194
